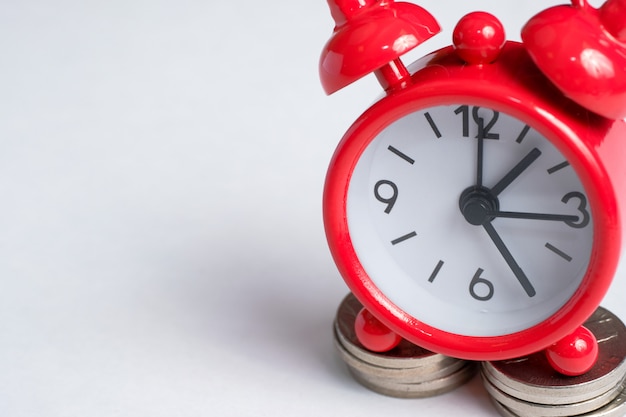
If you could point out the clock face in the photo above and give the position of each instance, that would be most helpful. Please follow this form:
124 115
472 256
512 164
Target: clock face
469 220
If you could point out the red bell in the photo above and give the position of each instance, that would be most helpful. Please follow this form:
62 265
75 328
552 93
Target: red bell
369 34
582 50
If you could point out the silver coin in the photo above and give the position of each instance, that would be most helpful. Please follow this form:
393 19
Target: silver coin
545 410
558 396
421 390
532 379
616 408
396 375
428 364
505 412
405 355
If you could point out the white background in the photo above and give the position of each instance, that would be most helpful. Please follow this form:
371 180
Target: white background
161 243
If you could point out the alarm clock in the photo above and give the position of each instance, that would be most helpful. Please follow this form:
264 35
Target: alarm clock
474 209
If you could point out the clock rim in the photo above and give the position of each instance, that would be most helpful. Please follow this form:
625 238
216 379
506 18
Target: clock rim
565 129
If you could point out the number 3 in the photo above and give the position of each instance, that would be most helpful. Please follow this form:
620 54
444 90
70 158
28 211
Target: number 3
582 208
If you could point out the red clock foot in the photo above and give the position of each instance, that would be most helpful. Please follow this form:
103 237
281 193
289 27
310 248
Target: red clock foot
574 354
373 334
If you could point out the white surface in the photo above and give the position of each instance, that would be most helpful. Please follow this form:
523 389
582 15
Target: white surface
161 244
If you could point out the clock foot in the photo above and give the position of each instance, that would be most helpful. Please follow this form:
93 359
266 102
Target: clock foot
406 371
575 354
530 386
373 334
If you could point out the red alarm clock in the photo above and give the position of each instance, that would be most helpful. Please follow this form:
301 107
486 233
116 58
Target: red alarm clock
477 208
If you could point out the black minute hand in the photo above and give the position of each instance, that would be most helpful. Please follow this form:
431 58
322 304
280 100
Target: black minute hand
516 171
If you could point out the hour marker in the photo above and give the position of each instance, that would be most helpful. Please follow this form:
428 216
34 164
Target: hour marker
401 155
436 271
432 124
403 238
559 252
522 134
558 167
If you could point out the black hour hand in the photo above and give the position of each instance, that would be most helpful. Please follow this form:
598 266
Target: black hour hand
516 171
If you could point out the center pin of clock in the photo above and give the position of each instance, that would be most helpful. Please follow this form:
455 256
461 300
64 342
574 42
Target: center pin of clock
476 204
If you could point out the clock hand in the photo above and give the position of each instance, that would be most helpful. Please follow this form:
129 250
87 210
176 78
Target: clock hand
533 216
516 171
504 251
480 153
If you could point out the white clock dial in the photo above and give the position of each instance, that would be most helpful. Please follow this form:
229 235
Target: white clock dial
469 220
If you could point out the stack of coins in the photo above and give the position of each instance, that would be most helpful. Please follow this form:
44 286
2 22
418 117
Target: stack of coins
529 387
406 371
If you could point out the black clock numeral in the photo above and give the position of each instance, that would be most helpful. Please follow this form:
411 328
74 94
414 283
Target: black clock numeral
390 201
582 208
464 110
487 129
478 285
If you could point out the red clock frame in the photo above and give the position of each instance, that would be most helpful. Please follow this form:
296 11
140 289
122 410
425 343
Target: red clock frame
512 84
